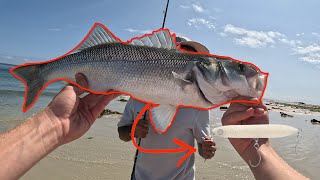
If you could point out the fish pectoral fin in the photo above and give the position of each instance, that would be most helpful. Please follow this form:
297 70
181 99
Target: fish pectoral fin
181 80
98 35
162 117
161 38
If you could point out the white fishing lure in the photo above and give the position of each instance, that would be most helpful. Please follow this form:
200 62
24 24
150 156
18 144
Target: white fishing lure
254 131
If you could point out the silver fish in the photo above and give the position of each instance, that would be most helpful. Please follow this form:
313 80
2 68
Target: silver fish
150 68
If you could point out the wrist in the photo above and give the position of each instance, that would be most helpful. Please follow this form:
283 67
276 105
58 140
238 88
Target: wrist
50 129
269 160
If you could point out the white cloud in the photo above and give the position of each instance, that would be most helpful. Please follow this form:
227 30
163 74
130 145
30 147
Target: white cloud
316 34
184 7
252 38
292 43
309 53
307 49
197 8
139 31
311 58
223 34
198 22
131 30
299 34
55 29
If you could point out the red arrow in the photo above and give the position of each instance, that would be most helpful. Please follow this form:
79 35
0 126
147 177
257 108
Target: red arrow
183 145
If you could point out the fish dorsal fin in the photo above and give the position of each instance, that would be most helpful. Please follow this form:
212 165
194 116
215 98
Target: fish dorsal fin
161 38
162 117
98 35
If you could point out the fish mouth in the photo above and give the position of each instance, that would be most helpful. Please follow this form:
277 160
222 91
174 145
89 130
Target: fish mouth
258 85
260 82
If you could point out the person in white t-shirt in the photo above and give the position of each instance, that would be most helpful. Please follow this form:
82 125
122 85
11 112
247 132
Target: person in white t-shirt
189 125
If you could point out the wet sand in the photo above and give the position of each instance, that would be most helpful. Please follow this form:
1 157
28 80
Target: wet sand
100 154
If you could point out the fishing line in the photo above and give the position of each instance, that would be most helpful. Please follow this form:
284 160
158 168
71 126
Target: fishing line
256 146
299 137
137 151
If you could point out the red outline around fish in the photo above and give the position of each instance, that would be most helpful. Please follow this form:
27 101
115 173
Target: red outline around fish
184 146
24 109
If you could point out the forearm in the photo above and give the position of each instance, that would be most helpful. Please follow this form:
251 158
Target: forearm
22 147
271 165
124 133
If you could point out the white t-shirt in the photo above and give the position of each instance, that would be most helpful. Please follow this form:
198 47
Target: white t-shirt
186 127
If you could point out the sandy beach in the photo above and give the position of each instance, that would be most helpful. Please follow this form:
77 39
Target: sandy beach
100 154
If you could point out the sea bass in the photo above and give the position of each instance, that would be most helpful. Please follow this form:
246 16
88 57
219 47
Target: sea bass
151 68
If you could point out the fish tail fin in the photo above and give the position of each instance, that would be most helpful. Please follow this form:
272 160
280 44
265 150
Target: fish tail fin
34 82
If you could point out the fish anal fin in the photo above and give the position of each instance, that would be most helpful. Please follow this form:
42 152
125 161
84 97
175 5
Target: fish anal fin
162 117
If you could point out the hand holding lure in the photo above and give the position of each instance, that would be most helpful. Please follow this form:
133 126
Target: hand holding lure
256 132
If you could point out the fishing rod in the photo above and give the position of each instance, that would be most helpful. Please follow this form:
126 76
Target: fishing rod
165 15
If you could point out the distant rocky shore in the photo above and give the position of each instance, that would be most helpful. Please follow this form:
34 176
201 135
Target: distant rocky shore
286 109
293 107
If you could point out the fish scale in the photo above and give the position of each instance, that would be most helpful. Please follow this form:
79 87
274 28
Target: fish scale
149 70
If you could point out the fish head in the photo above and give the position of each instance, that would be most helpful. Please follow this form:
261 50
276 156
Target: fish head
222 80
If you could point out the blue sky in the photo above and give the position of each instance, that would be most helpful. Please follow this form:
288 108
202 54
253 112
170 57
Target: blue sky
281 37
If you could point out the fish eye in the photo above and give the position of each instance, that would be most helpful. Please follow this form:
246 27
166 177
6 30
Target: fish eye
242 67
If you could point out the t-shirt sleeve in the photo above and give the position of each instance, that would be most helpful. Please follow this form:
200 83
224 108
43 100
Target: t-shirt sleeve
128 115
201 126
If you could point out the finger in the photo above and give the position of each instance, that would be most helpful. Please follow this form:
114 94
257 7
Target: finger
140 135
208 143
259 111
92 99
142 129
237 117
100 105
76 89
245 98
82 81
209 148
236 107
209 155
253 104
63 92
144 123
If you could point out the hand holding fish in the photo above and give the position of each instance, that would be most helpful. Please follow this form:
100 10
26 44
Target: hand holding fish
73 116
65 119
245 114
